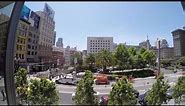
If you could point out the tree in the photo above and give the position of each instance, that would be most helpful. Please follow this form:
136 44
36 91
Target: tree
149 57
21 84
84 94
181 61
122 56
179 90
122 93
79 59
104 58
158 94
42 92
90 60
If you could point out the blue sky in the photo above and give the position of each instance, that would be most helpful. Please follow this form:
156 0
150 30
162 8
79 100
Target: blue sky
128 22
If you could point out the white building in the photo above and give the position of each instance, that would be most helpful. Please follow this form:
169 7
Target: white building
96 44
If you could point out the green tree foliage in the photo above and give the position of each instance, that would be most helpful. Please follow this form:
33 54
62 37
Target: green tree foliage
122 93
21 84
158 94
181 61
90 60
104 58
149 57
122 56
84 94
166 63
179 90
42 92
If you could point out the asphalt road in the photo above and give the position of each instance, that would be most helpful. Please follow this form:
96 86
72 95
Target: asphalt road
140 84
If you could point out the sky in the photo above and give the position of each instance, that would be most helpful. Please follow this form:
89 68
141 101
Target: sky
128 22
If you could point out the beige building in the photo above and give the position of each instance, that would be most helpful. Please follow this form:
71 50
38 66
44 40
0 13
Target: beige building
47 34
21 40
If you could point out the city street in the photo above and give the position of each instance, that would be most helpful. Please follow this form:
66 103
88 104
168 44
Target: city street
140 84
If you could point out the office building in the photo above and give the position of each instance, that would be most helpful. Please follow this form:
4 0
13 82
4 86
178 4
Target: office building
96 44
47 33
59 43
179 42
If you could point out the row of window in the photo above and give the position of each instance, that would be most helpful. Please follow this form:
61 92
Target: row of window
22 32
32 47
31 53
21 40
99 40
33 35
100 43
20 56
98 48
20 47
32 41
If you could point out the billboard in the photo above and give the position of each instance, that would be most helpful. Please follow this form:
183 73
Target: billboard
35 18
49 11
25 13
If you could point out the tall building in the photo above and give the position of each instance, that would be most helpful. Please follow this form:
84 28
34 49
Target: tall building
47 33
179 42
21 40
59 43
145 44
32 45
96 44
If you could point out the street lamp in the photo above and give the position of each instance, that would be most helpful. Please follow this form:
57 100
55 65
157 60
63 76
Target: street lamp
158 58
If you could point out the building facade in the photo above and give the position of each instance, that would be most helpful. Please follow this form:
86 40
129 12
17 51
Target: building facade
58 56
179 42
96 44
21 41
32 45
47 34
59 42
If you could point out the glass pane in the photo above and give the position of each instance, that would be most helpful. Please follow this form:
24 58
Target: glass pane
5 14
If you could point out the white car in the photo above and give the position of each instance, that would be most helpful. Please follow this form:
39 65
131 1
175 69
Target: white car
96 94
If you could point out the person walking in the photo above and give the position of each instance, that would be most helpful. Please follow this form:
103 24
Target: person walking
3 94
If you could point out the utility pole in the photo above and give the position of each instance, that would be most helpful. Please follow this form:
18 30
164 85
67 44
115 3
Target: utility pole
158 57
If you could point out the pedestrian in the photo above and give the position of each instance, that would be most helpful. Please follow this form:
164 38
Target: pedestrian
3 94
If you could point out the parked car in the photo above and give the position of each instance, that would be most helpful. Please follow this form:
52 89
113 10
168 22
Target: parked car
101 79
